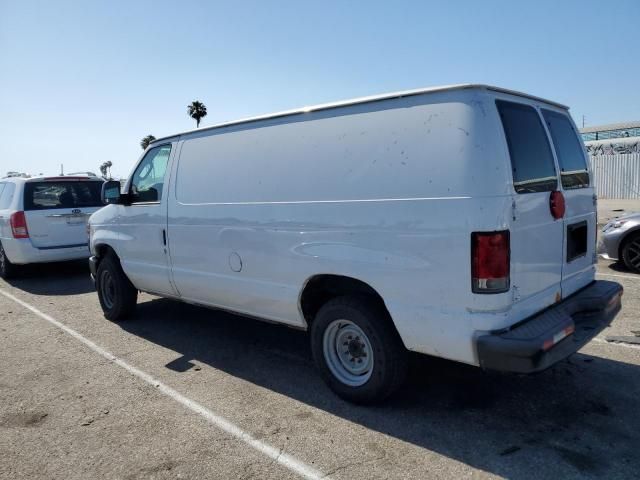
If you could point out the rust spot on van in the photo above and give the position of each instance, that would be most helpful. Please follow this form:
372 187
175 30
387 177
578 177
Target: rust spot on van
558 297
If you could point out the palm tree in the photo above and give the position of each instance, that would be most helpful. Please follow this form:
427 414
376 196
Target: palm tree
144 143
197 110
108 164
103 169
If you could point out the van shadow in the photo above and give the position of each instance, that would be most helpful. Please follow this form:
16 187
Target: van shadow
578 419
59 278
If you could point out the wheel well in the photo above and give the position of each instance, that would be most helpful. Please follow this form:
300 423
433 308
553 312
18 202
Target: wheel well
322 288
102 251
627 238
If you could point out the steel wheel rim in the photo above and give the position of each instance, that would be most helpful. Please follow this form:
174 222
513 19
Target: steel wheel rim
348 353
633 254
107 289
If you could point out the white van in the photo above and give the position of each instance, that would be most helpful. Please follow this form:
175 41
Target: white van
43 219
458 222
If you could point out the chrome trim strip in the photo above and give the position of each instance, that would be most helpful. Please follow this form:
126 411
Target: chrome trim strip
64 246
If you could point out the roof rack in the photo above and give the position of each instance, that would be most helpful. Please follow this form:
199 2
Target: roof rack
88 174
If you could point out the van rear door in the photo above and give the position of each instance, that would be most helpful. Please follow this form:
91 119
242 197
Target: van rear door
580 215
536 237
57 209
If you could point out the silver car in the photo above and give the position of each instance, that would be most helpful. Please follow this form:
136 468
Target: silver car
620 241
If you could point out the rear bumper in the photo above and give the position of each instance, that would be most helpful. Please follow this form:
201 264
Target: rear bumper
21 251
554 334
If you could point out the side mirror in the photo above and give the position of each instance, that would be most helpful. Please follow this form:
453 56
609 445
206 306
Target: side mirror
110 192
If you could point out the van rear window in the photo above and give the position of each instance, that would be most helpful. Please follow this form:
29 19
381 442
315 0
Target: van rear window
531 158
573 167
64 194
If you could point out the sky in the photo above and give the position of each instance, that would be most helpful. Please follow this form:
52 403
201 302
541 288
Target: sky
82 82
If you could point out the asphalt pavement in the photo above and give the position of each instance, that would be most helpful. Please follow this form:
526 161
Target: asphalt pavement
186 392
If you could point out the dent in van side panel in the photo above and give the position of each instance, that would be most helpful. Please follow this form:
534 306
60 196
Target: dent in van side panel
415 263
106 232
143 258
144 272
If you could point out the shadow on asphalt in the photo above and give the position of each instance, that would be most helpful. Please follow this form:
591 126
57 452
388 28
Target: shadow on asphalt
621 268
579 418
60 278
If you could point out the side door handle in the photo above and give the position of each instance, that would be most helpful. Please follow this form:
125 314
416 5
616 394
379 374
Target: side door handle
164 237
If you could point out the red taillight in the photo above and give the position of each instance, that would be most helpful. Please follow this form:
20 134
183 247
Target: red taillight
490 262
19 225
556 204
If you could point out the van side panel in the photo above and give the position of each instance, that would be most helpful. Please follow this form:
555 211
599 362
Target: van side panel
387 193
351 156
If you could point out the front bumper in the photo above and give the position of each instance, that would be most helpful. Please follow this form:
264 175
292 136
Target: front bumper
609 243
552 335
93 267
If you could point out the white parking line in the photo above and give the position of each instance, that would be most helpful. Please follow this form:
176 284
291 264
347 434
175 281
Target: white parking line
630 277
292 463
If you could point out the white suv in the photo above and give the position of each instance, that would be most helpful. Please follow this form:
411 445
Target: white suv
43 219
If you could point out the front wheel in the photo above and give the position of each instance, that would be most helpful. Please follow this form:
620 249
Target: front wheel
357 349
7 269
631 253
117 295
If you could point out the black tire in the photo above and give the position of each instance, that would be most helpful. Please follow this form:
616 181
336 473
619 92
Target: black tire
7 269
631 252
117 295
389 359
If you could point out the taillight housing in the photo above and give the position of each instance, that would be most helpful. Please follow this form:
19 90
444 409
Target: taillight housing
557 205
490 262
19 225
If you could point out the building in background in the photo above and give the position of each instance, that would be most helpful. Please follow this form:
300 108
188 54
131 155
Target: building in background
612 139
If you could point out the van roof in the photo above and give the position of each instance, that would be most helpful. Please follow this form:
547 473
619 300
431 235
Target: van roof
360 100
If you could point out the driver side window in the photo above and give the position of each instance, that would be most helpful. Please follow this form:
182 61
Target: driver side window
148 179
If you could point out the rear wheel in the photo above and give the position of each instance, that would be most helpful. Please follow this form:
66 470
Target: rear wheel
7 269
116 293
357 349
631 253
